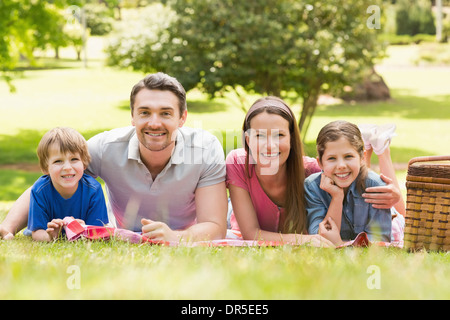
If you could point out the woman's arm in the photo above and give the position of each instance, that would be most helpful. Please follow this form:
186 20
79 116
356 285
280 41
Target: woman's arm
248 222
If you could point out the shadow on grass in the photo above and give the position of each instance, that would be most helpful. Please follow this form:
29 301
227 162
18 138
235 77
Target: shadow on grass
404 105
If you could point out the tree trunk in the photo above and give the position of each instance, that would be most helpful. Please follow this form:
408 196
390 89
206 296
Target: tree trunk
309 106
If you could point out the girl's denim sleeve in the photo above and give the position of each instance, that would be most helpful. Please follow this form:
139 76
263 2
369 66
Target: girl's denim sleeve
316 205
378 223
379 226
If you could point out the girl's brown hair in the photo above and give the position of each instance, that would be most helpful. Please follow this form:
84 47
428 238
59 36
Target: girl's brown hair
336 130
295 220
67 140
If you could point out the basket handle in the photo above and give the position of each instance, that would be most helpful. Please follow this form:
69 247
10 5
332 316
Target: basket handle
428 158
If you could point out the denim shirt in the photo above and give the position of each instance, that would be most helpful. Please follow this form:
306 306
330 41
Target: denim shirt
357 215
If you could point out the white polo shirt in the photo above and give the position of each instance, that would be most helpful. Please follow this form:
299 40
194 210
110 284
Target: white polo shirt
197 161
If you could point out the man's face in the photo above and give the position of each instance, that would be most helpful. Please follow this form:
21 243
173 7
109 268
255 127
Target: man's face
156 116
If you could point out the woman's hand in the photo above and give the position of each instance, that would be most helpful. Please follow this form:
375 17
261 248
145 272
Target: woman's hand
314 240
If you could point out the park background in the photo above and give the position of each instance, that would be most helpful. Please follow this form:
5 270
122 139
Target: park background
330 59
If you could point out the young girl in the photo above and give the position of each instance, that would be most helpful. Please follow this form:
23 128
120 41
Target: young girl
265 179
334 196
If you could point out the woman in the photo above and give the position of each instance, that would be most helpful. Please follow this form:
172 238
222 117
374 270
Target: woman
265 178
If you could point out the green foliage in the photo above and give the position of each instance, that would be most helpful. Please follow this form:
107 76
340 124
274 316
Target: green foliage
414 17
26 25
269 47
99 19
138 39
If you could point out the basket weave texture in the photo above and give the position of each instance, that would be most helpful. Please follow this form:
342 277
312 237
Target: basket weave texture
427 222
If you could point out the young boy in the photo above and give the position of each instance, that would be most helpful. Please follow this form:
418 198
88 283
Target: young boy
64 190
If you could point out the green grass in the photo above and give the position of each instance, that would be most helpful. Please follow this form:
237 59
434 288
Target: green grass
117 270
95 99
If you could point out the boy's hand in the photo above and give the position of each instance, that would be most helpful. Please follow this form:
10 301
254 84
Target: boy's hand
54 228
81 222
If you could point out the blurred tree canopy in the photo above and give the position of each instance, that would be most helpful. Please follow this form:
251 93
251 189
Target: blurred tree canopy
26 25
277 47
415 17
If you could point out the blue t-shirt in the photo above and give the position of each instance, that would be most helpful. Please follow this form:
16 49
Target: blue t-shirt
87 203
357 215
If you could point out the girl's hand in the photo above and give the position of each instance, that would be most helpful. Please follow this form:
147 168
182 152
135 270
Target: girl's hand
329 230
327 184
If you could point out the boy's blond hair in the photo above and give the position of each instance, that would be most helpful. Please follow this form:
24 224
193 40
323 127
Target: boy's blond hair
67 140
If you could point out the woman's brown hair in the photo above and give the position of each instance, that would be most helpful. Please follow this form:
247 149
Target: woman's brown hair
295 219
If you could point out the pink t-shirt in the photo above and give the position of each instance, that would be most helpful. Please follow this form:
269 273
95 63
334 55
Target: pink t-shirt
268 213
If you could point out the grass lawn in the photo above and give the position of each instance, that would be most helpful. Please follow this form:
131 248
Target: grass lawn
96 99
117 270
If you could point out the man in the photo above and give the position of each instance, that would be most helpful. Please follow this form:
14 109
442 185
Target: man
161 178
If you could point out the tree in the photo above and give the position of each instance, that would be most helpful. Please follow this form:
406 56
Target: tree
276 47
24 26
414 17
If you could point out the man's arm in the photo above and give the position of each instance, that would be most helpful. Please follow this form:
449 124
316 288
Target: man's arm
211 206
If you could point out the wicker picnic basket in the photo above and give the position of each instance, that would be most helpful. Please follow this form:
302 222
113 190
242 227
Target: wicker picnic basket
427 221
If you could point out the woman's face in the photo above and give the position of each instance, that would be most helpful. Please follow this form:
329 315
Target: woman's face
269 141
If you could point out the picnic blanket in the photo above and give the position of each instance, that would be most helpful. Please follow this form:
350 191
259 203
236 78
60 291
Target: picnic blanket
362 240
75 230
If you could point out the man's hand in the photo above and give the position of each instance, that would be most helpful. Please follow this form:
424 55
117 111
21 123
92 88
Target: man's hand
155 230
383 197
